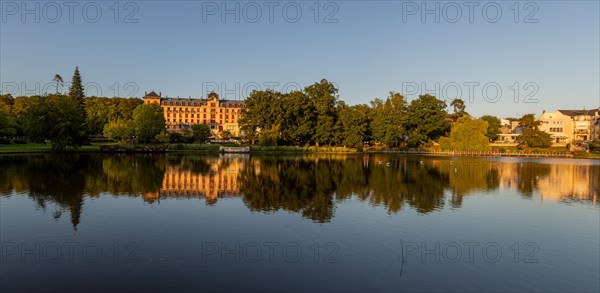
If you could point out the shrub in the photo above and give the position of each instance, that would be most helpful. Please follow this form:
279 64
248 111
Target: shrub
19 141
4 140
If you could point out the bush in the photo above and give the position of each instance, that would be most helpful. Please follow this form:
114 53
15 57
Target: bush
4 140
19 141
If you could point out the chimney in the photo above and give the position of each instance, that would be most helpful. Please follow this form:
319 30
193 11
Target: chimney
160 94
145 93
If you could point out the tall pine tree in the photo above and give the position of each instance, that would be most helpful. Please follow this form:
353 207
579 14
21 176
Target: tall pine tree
76 91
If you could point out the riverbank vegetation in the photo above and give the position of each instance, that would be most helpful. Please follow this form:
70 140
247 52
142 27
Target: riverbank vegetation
314 119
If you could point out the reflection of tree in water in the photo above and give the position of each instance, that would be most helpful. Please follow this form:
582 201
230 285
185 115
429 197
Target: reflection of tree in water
296 185
132 174
53 178
64 179
467 176
528 175
306 185
302 184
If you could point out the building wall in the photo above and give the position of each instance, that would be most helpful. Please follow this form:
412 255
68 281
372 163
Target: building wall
181 113
559 125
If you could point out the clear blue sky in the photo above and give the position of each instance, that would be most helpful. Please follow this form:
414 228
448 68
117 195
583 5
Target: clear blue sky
180 48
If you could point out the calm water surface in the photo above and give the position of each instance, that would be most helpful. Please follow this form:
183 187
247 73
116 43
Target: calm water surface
89 222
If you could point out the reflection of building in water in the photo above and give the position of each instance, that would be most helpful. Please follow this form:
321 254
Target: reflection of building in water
220 180
552 181
570 181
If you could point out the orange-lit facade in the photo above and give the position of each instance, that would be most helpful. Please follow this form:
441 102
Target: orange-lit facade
182 113
220 181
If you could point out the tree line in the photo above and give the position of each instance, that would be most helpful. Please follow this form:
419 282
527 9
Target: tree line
313 116
316 116
69 120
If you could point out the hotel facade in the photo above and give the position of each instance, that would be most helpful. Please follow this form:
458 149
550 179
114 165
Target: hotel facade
182 113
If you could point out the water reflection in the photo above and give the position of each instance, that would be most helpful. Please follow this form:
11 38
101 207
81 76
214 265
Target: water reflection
310 185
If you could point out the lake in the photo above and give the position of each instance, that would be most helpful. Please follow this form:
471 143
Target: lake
327 222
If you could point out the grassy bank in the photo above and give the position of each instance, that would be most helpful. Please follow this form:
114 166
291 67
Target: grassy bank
311 149
42 148
214 149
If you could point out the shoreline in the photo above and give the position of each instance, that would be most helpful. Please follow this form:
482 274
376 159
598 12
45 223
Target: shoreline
214 149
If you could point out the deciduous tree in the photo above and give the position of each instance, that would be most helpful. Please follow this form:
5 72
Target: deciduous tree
148 121
467 135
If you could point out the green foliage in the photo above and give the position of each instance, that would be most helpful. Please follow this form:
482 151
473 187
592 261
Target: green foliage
298 121
7 100
148 121
101 110
458 106
162 137
493 129
57 118
426 120
388 119
225 134
532 136
269 137
355 124
6 124
262 111
119 130
467 135
323 98
201 132
176 137
299 117
76 90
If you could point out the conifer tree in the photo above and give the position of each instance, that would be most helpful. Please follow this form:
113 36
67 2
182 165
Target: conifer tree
76 90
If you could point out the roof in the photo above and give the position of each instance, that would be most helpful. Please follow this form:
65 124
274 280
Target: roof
200 101
578 112
152 94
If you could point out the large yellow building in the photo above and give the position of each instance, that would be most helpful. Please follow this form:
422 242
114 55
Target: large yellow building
570 126
181 113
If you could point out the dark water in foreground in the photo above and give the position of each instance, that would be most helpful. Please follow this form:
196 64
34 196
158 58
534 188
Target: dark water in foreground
88 222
